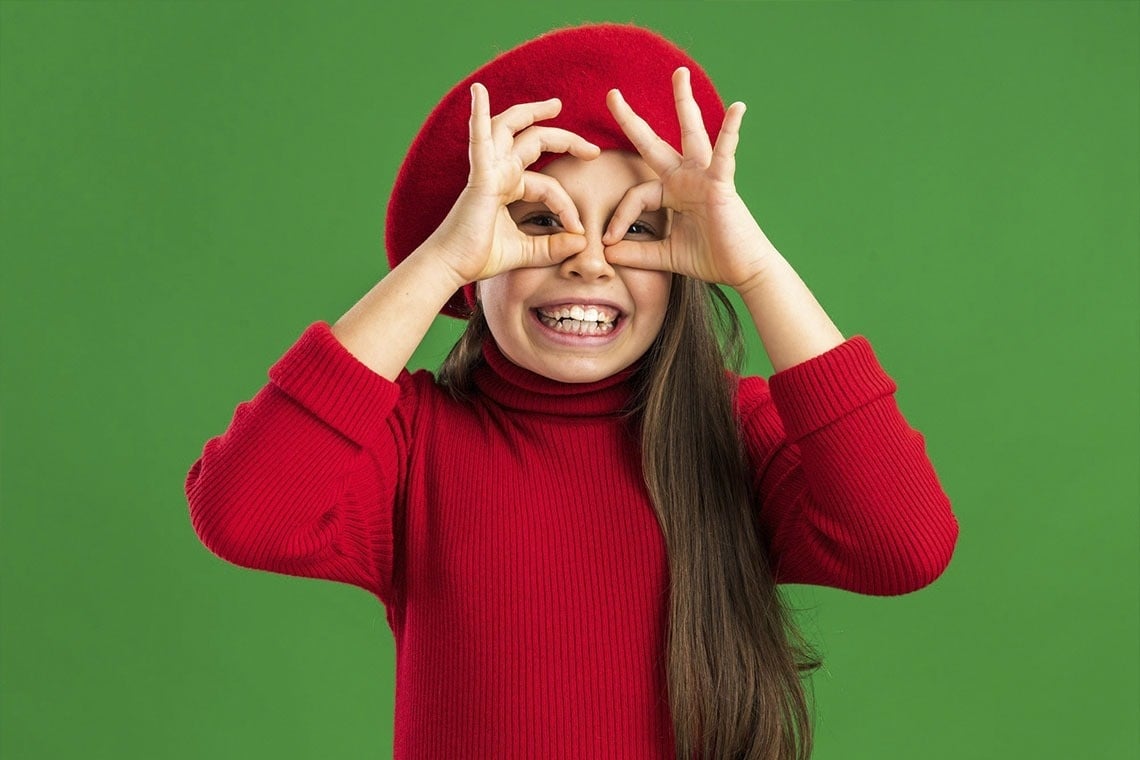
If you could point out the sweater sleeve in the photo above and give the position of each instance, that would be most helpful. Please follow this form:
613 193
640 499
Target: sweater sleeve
848 496
304 479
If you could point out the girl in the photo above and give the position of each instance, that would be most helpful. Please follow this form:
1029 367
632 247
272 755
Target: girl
577 528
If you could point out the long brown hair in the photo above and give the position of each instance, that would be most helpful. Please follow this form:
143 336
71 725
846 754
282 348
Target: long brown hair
735 657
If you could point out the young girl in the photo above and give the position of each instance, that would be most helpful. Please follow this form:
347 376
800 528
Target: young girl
578 526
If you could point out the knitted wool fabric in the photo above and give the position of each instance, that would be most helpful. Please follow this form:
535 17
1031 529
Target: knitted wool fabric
527 593
579 65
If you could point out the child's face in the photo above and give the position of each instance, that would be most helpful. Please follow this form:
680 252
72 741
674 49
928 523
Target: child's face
534 313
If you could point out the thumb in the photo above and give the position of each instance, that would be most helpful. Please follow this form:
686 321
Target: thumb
547 250
639 255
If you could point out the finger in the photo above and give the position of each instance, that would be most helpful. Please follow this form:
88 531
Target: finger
520 116
639 255
541 188
480 147
657 153
695 145
544 250
723 164
534 141
646 196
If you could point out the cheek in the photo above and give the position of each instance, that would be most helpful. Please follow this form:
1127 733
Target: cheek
651 292
502 297
494 295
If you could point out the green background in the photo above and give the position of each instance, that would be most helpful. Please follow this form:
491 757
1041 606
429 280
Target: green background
187 185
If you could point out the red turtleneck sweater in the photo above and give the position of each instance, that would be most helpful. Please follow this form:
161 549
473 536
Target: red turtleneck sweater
512 541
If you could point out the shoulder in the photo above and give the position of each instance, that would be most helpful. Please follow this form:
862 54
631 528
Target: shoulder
423 396
752 391
421 382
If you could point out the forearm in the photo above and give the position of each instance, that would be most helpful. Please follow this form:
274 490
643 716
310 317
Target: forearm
386 326
792 325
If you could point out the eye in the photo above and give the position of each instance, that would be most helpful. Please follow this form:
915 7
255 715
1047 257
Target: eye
543 220
642 230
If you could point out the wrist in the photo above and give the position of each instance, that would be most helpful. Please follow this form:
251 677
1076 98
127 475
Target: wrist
433 269
759 272
455 244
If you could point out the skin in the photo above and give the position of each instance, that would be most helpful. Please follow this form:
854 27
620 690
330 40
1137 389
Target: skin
510 299
713 236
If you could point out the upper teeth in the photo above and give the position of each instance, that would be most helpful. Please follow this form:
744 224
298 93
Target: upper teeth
581 313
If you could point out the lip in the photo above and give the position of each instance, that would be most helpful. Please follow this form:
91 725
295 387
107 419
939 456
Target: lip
570 339
580 302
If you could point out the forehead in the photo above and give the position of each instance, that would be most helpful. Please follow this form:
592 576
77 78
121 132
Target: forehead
614 171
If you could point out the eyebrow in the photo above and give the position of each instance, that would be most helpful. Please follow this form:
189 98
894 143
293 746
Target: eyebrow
525 206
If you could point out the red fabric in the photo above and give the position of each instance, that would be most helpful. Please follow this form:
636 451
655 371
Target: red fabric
579 65
512 542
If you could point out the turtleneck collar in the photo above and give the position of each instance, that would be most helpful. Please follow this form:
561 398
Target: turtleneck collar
515 387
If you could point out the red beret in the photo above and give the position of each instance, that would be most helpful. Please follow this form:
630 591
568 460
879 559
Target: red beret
579 65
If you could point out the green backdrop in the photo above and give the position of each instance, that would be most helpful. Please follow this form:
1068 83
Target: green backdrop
187 185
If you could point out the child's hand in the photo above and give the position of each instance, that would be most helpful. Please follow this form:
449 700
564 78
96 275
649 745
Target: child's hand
479 238
713 236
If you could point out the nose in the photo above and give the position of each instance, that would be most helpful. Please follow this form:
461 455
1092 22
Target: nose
589 263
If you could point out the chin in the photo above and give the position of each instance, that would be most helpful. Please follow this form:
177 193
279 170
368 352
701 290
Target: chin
580 378
573 371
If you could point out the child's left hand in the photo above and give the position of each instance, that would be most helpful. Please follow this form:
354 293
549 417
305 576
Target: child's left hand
713 236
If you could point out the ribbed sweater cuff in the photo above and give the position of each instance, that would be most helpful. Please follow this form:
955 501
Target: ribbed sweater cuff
321 374
815 393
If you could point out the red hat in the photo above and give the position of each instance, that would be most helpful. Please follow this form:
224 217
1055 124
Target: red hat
579 65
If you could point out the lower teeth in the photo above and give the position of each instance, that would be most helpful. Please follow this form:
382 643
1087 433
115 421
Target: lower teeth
577 327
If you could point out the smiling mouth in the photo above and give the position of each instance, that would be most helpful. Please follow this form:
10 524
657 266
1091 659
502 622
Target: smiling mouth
579 319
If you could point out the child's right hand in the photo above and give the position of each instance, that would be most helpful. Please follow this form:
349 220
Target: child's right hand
478 238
